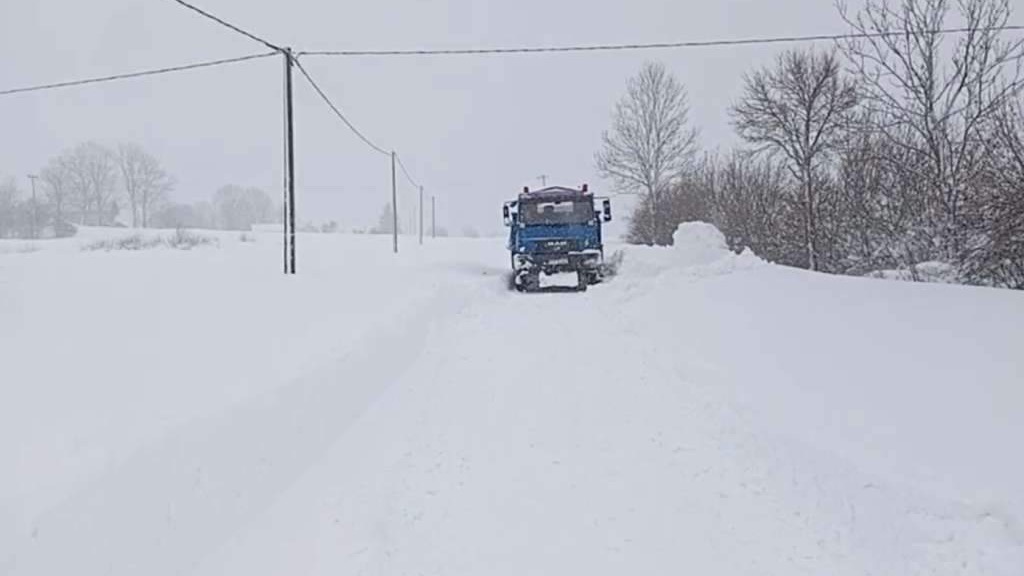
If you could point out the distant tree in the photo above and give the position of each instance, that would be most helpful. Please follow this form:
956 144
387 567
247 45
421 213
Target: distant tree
649 146
174 215
386 222
329 227
58 185
470 232
93 178
206 215
145 181
239 208
9 207
797 110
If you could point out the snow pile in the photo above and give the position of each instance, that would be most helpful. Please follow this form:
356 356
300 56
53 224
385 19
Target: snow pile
698 244
699 250
198 413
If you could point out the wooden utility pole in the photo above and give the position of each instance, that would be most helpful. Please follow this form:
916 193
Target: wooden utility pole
289 161
394 203
35 224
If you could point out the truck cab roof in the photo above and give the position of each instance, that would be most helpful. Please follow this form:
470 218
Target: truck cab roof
553 194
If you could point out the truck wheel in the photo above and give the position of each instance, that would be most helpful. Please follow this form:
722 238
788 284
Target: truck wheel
582 280
526 281
532 280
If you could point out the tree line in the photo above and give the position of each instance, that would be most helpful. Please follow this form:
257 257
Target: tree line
96 185
884 152
89 184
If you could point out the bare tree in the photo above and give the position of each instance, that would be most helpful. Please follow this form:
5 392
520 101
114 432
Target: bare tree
650 144
797 110
239 208
941 95
995 249
386 222
58 186
685 199
93 178
173 215
9 198
749 205
145 181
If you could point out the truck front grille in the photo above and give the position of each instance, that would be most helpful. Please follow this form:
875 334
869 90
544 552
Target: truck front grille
558 245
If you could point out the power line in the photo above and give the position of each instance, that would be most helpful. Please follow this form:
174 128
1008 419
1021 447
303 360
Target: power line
337 112
194 66
648 46
406 172
249 35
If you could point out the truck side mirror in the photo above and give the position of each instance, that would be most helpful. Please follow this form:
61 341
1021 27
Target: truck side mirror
506 215
607 210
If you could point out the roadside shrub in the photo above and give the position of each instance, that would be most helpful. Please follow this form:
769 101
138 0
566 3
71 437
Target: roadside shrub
184 240
180 240
133 242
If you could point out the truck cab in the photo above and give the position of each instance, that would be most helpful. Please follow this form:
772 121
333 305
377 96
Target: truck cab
555 231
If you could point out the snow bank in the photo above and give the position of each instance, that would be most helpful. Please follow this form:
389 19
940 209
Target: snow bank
931 272
699 250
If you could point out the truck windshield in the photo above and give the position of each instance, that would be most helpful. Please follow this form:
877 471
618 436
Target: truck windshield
564 212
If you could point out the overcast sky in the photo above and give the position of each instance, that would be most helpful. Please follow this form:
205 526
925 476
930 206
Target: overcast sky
472 129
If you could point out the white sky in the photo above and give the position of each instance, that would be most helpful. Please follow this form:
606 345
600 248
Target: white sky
473 129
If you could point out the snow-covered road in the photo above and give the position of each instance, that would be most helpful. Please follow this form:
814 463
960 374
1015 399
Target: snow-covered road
703 413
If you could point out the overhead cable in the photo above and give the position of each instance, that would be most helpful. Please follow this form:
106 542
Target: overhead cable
228 25
647 46
337 112
207 64
406 172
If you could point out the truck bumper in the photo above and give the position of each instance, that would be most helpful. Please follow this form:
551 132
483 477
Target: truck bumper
557 263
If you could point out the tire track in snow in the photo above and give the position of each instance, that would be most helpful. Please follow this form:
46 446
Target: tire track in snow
571 442
157 506
563 458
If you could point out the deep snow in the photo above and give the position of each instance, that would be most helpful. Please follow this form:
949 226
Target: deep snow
168 412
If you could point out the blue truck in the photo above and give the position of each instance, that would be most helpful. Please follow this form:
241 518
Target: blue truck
556 231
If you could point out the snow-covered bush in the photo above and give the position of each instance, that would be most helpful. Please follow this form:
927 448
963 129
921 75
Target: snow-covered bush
133 242
180 240
184 240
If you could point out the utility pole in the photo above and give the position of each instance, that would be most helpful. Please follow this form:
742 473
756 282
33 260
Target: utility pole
421 215
289 172
543 180
394 204
433 217
35 226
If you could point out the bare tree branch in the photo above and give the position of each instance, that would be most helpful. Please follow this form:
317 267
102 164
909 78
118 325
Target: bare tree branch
650 144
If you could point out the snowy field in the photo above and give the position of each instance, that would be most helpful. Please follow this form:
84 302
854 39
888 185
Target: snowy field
197 412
